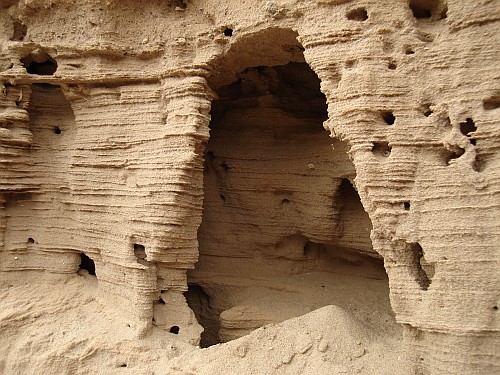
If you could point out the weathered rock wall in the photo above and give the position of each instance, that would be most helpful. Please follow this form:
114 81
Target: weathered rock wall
104 124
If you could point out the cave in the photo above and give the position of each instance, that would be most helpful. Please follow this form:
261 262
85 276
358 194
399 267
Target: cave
87 264
283 230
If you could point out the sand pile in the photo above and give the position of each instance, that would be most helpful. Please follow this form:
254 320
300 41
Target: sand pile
47 329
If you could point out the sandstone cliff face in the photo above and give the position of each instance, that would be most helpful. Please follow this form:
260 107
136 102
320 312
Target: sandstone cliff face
169 167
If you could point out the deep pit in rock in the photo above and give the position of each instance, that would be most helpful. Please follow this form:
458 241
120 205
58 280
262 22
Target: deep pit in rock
283 230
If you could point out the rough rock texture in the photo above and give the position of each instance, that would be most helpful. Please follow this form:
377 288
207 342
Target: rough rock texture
171 166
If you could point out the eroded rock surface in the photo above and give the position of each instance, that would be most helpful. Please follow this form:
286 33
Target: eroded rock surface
168 167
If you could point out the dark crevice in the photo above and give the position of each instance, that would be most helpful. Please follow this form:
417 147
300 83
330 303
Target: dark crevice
200 303
20 31
421 270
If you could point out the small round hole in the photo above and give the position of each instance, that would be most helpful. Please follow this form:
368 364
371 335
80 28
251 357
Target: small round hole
426 109
140 251
222 196
31 241
350 64
381 149
388 117
392 65
467 127
495 307
285 202
359 14
406 205
455 154
57 130
174 330
228 32
409 51
161 301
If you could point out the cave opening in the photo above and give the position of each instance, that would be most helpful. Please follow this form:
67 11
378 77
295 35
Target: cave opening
280 204
39 63
87 264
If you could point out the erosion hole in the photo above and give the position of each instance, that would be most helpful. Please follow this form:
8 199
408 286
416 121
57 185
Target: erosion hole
409 51
174 330
31 241
359 14
180 4
381 149
388 117
39 63
453 154
228 32
392 65
57 130
20 31
428 9
421 269
467 127
87 264
406 206
426 109
140 251
491 103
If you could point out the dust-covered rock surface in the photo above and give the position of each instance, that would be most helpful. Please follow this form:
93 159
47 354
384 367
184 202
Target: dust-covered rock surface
249 187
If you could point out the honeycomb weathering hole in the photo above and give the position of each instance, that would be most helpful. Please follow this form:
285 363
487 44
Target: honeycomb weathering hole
388 117
140 251
39 63
87 264
381 149
428 9
359 14
491 103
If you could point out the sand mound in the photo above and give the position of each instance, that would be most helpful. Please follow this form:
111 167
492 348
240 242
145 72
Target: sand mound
326 341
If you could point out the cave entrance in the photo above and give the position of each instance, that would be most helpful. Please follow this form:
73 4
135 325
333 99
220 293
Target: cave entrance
283 229
86 264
